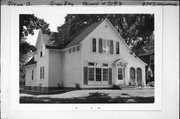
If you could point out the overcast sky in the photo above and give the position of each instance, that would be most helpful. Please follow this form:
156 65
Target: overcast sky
53 20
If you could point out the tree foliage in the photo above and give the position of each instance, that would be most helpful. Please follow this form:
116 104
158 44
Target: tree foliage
28 23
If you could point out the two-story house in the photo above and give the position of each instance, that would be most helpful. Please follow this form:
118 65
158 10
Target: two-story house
96 57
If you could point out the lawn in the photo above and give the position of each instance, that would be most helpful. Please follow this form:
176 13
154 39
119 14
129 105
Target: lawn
92 96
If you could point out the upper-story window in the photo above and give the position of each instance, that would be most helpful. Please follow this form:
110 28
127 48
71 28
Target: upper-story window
42 51
74 49
70 50
100 45
78 48
111 47
104 46
117 47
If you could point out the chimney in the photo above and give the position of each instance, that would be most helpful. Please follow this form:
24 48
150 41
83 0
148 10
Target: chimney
66 30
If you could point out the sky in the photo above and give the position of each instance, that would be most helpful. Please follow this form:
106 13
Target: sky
53 20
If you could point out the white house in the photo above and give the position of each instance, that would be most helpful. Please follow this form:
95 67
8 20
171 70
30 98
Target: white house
96 57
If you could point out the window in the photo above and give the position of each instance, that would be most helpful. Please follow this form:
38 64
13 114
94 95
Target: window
105 65
74 49
98 74
104 45
41 52
91 74
70 50
105 74
100 45
78 48
111 46
32 74
42 72
120 73
117 47
93 45
91 63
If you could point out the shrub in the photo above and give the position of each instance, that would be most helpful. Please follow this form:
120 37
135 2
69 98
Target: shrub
116 87
150 84
77 85
60 86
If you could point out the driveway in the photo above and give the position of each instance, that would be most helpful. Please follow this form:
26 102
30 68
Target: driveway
93 96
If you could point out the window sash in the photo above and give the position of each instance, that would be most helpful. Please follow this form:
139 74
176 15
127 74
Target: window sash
98 74
105 74
100 46
120 73
91 74
111 46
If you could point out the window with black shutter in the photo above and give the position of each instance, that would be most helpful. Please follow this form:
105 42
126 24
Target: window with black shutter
100 46
111 46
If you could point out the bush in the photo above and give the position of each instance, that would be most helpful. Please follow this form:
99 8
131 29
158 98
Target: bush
77 85
150 84
60 86
116 87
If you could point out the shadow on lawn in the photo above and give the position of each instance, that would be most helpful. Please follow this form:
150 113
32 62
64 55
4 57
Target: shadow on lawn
91 98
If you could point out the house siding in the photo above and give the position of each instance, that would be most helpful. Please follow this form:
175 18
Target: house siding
55 69
72 69
105 31
29 81
42 61
68 69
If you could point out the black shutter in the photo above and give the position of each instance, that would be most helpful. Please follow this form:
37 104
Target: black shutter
100 45
111 47
86 75
94 45
110 76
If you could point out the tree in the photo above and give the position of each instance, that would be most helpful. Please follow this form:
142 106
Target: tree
136 29
27 24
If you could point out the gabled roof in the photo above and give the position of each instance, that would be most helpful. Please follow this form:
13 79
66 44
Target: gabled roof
81 35
31 61
75 38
